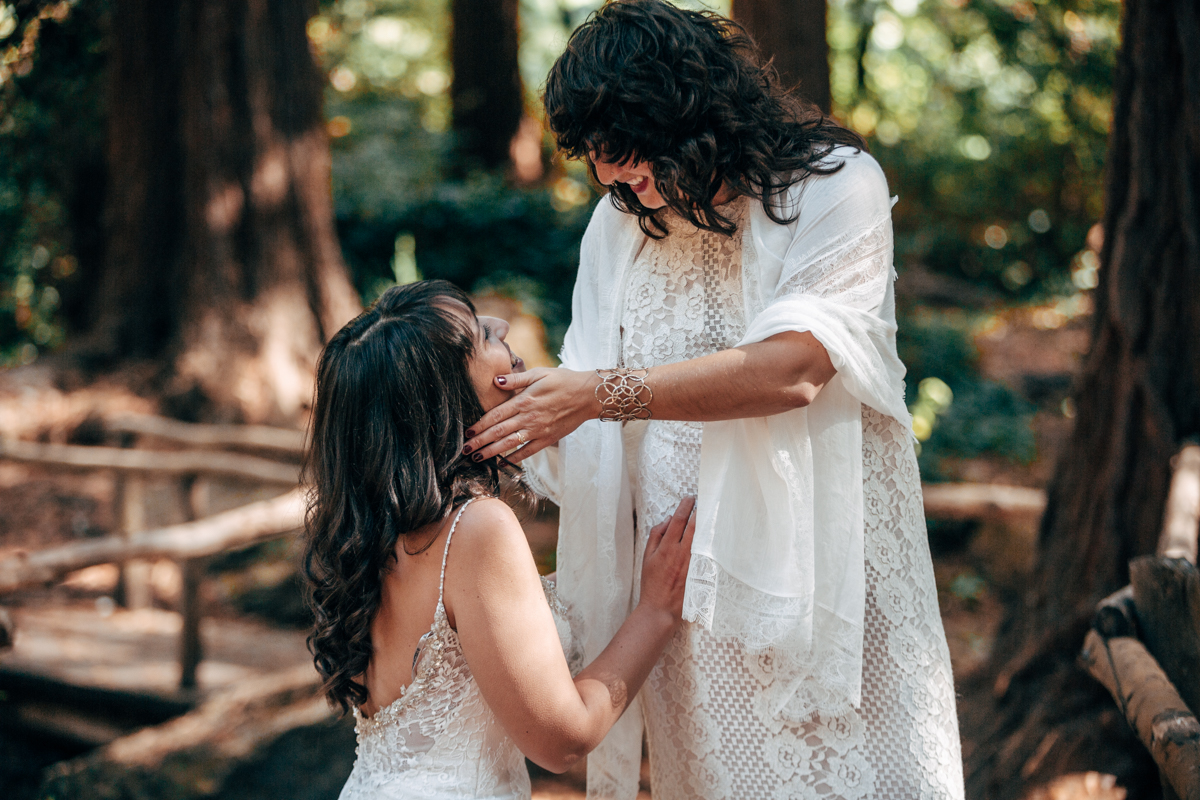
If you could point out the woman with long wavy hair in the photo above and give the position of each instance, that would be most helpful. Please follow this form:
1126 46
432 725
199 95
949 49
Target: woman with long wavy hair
432 625
733 337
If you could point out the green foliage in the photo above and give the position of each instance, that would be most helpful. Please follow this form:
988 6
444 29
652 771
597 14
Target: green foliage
51 157
481 234
980 416
991 118
392 155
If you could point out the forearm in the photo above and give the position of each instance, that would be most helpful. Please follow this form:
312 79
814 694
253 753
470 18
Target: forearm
609 684
783 372
755 380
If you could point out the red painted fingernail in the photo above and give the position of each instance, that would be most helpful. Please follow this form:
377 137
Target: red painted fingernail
477 457
470 435
503 381
466 449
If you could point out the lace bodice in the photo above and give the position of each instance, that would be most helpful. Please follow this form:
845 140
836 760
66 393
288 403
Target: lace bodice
439 740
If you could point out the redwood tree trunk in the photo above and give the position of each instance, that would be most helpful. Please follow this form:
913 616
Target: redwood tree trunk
223 258
486 94
1035 714
793 33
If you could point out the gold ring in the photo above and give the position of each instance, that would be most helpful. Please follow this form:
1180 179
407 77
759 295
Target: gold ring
522 438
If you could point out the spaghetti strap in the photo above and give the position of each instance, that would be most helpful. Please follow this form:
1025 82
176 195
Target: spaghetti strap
446 552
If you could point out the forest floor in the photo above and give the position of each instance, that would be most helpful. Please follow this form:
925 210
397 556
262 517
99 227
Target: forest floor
257 590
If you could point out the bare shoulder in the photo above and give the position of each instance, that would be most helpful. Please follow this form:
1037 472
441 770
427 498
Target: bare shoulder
489 534
489 566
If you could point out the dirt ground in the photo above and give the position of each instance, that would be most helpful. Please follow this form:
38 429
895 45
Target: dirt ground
1036 351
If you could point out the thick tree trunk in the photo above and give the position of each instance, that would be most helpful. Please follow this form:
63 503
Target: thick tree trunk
792 32
486 94
1034 713
222 254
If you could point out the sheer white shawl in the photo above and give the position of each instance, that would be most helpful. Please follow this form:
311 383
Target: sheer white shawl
778 559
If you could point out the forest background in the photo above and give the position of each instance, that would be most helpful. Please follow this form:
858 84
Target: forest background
990 118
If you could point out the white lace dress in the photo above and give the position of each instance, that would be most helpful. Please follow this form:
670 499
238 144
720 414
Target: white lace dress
710 730
439 740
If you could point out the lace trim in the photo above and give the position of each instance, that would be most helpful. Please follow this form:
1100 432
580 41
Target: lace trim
852 268
429 660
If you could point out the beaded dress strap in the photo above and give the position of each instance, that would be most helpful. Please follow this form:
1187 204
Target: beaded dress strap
446 552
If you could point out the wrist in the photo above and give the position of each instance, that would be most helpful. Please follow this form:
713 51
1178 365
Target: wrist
623 394
663 620
590 406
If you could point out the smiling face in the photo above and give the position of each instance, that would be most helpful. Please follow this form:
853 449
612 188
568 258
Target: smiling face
637 175
492 357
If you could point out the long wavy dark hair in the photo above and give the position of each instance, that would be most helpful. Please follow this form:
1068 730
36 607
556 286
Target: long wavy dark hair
686 92
393 397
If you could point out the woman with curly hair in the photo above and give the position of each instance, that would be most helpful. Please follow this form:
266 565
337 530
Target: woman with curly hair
451 658
733 337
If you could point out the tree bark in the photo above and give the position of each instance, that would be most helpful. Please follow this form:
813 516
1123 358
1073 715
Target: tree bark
792 32
1033 713
486 95
222 254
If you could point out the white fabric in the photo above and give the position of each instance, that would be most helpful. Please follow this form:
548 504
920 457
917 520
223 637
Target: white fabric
780 563
439 740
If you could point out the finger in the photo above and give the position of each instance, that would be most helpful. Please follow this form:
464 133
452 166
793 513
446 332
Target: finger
680 518
534 446
515 381
484 432
501 446
689 531
655 538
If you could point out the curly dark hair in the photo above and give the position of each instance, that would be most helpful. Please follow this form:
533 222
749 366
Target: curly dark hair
686 92
384 460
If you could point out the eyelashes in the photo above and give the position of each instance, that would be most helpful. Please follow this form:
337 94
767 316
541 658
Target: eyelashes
487 332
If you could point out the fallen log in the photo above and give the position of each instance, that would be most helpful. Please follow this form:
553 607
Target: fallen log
983 501
253 437
1151 704
188 462
240 527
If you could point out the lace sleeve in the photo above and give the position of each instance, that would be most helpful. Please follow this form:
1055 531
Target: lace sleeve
851 269
842 247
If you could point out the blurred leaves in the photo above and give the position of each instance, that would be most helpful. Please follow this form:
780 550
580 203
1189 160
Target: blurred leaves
991 119
956 412
51 154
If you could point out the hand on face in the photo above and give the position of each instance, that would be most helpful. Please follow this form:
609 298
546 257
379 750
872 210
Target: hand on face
544 405
492 357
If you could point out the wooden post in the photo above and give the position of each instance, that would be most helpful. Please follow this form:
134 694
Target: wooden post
192 572
134 588
1166 594
1181 520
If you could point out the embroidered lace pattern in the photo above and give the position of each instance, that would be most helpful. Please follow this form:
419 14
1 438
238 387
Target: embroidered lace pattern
440 739
710 722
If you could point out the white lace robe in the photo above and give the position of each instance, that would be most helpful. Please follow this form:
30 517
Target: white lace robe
816 665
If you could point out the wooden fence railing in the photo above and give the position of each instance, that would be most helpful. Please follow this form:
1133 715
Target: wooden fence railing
187 543
207 535
1144 646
